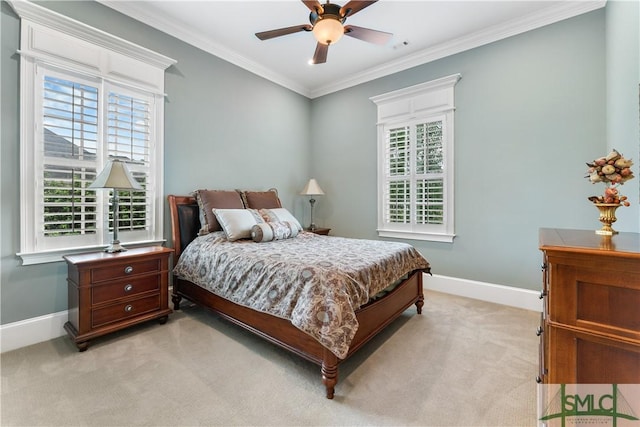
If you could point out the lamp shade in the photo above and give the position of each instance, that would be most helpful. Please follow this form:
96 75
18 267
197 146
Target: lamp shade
116 175
328 30
312 189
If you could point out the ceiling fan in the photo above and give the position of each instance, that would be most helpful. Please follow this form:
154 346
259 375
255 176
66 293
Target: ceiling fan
327 24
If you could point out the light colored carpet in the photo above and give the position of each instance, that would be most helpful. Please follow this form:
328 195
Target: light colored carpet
461 363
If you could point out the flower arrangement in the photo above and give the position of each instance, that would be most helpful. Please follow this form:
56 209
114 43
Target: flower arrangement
613 170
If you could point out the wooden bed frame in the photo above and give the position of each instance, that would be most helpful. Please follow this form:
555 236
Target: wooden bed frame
372 318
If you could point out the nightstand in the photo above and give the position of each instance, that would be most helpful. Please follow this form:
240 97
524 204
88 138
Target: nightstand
319 230
111 291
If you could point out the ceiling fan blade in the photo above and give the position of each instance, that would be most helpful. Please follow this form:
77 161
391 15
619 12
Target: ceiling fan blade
283 31
366 34
354 6
320 55
314 6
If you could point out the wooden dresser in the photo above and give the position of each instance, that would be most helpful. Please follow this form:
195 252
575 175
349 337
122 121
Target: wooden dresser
109 292
590 327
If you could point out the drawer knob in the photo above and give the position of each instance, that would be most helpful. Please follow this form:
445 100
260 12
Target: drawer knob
128 269
539 331
128 308
128 287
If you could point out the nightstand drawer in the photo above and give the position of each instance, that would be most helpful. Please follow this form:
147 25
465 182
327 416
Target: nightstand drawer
124 288
124 310
124 270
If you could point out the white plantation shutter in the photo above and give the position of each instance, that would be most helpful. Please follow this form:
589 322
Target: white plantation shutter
128 128
415 156
429 180
414 174
66 154
129 139
429 201
397 208
80 133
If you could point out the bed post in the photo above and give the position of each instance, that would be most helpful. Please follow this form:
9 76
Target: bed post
420 301
185 223
329 372
175 296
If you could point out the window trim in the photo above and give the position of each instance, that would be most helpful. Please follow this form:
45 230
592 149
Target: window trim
54 40
408 105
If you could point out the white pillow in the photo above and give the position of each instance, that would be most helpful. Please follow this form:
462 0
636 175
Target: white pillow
237 223
280 215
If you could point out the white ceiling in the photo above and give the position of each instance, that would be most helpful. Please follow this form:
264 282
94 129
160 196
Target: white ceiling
422 31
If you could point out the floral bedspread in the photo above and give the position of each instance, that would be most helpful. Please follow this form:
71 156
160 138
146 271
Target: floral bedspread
317 282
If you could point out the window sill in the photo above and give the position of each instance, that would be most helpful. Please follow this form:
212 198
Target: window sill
412 235
44 257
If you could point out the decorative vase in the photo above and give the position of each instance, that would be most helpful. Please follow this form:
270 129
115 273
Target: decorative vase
607 217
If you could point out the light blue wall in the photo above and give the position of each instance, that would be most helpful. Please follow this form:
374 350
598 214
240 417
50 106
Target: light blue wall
623 81
225 128
530 111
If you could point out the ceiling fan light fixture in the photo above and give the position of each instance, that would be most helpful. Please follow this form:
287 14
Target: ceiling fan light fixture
326 21
328 30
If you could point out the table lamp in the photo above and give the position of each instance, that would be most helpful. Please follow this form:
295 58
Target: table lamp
116 176
312 189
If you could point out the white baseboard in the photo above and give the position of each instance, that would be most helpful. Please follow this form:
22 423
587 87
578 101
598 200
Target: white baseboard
32 331
43 328
499 294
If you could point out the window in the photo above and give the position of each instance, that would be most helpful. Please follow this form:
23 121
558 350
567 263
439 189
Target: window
87 97
74 152
415 161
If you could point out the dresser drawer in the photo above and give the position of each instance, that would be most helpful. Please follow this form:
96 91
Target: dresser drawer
124 288
124 269
124 310
603 300
584 358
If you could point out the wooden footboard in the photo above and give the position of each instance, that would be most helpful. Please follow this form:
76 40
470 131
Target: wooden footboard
372 318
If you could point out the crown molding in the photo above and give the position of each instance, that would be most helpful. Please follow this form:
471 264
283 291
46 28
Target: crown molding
43 16
547 16
137 11
514 27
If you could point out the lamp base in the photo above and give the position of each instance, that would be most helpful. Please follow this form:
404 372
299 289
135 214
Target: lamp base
115 246
312 226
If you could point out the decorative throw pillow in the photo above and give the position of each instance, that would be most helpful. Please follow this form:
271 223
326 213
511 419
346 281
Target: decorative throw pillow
268 231
261 199
237 223
279 215
218 199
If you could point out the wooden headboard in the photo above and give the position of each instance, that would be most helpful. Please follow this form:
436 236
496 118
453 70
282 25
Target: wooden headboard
185 222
